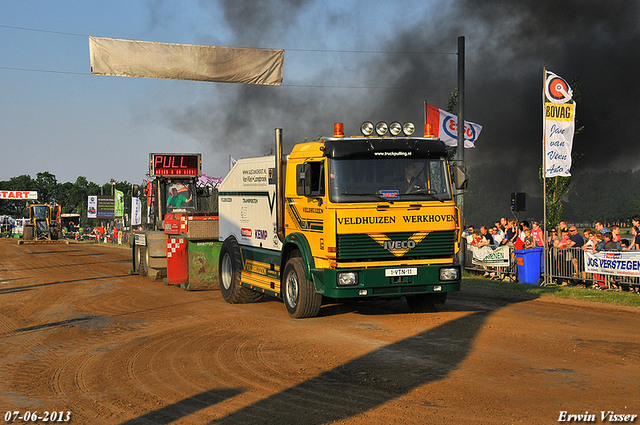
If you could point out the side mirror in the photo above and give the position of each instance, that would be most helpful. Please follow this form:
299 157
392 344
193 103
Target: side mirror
460 177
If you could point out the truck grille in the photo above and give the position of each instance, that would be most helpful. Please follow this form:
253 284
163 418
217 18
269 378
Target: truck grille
437 244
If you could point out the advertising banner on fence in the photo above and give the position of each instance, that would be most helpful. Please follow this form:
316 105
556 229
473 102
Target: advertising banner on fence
490 257
613 263
559 125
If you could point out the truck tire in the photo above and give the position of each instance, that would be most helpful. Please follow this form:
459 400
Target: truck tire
28 233
424 303
298 292
230 274
139 258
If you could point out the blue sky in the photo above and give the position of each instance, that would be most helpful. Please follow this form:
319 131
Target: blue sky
57 117
347 61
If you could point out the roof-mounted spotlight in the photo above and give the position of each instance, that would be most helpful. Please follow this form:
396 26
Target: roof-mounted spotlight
395 128
366 128
408 128
382 128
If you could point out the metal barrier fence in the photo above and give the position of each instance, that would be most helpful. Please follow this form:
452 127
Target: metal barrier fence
567 266
562 266
509 272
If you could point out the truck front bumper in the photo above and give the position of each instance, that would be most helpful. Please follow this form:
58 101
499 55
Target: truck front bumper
387 282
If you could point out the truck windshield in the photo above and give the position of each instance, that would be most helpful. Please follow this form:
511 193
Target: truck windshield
392 179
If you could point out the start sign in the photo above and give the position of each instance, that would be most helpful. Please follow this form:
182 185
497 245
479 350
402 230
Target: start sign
18 194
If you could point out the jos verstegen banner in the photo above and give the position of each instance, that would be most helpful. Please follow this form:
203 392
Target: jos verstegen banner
559 125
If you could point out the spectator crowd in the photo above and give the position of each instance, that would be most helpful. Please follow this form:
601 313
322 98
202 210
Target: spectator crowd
524 235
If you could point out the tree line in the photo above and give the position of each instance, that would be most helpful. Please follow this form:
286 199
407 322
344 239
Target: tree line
72 197
610 196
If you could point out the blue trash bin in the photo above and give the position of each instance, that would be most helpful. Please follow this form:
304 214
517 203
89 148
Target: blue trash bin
529 265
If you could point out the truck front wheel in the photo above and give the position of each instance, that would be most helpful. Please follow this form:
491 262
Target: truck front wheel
299 293
230 271
426 302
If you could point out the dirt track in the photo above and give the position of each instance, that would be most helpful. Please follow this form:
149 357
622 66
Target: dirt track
79 334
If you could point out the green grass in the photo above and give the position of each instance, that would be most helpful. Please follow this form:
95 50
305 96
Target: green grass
609 297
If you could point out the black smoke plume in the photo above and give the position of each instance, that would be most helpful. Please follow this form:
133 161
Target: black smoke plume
508 42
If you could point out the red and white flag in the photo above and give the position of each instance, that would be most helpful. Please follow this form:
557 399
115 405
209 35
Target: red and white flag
445 126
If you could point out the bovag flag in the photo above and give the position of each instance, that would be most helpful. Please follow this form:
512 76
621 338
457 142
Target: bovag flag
445 126
559 125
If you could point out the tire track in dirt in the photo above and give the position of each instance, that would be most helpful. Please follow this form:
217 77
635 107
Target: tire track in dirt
23 356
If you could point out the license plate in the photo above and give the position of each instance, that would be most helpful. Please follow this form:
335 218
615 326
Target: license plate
412 271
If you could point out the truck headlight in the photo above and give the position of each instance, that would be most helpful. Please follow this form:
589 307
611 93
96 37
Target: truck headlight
395 128
347 279
449 273
408 129
382 128
366 128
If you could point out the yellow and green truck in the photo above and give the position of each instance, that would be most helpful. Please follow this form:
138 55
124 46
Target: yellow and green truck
342 218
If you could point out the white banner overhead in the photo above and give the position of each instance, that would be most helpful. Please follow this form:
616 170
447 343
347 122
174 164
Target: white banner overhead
559 125
131 58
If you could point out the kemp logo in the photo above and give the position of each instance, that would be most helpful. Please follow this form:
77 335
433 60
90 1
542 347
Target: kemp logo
246 232
260 234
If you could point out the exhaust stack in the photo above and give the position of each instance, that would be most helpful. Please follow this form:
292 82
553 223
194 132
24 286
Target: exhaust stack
279 186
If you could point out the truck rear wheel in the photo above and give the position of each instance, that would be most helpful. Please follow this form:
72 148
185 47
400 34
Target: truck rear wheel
298 292
424 303
139 258
230 274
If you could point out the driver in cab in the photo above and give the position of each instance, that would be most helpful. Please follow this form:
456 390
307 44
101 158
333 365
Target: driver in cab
411 181
177 200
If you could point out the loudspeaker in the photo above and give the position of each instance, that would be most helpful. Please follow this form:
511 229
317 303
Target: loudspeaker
518 201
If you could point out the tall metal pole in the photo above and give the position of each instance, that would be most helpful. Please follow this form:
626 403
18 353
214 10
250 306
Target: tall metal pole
460 150
546 275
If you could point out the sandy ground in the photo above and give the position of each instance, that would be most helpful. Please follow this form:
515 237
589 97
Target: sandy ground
80 336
